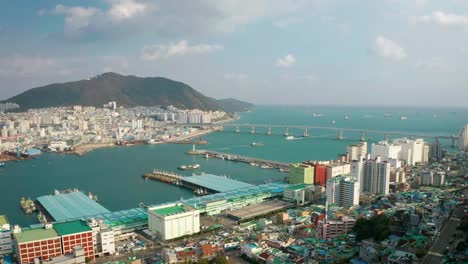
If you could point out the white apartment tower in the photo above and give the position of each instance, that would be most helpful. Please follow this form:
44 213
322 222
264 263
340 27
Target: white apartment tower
357 150
343 191
373 175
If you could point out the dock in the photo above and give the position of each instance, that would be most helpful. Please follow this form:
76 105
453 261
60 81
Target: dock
199 184
263 163
163 176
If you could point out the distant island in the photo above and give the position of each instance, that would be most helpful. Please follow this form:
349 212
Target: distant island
128 91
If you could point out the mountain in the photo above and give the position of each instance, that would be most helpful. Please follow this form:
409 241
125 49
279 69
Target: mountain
234 105
125 90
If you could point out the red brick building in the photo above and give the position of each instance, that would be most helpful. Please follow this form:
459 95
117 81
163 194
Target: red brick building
76 233
40 243
320 174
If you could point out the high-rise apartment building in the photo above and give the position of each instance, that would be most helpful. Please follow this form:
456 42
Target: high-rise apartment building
343 191
463 139
373 175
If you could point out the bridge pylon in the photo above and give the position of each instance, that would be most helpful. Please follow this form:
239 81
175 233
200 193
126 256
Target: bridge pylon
286 132
306 132
268 132
453 141
363 136
340 134
252 130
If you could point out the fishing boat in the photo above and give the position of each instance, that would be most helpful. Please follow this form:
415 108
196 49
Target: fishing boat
27 205
189 167
256 144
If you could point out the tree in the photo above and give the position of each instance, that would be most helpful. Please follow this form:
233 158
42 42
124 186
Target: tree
377 227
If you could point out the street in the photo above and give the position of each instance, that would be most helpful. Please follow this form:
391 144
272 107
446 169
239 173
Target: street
436 252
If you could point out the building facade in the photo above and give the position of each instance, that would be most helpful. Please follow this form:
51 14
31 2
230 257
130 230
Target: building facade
343 191
173 220
76 234
301 173
463 139
41 243
6 246
357 150
333 228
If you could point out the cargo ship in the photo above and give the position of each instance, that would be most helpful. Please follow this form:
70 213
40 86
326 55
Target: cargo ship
189 167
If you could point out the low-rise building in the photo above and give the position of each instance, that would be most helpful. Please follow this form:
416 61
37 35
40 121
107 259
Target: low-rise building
39 243
6 246
333 228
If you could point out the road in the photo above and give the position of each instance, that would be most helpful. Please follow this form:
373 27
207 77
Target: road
435 254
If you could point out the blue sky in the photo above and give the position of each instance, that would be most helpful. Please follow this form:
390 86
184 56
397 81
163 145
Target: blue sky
350 52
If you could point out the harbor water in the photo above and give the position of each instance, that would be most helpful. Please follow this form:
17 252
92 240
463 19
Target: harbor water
114 174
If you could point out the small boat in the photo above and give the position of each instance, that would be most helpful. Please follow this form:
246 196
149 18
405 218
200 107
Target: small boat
2 164
403 117
289 137
317 115
189 167
256 144
253 164
346 117
265 167
387 115
207 156
434 116
333 121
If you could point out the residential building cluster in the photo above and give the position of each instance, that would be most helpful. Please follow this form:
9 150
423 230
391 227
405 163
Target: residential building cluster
62 128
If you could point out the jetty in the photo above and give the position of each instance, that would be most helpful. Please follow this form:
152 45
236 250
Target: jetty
263 163
163 176
199 184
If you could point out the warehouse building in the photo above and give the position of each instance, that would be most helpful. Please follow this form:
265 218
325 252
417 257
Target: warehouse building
173 220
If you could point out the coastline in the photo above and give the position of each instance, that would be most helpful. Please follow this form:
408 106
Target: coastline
82 150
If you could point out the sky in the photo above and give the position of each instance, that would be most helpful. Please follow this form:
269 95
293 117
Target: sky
342 52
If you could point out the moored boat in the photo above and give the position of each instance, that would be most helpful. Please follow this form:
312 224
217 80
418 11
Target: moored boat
189 167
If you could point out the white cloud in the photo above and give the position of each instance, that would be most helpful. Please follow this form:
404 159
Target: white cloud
174 17
235 76
286 61
126 9
76 18
181 48
443 19
389 49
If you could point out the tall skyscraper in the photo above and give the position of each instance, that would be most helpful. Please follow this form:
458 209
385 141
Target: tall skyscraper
435 150
373 175
463 139
343 191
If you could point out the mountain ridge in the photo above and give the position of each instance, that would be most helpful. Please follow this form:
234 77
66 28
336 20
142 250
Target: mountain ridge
128 91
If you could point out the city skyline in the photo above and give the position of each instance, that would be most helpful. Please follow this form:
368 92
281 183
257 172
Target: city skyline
285 52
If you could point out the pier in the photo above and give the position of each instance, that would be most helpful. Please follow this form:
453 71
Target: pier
265 164
163 176
199 184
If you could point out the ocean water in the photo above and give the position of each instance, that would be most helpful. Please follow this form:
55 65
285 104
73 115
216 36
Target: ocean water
114 174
